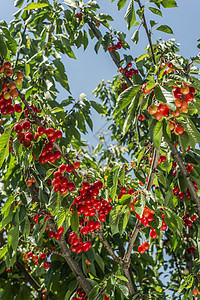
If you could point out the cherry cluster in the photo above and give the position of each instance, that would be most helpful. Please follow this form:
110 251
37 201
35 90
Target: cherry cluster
57 234
9 89
36 258
115 46
77 245
190 249
79 16
60 182
141 118
186 220
183 94
128 71
162 158
142 248
80 295
195 292
88 205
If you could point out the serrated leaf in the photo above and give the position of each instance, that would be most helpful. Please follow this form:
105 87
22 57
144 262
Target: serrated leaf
121 4
35 6
93 293
155 11
164 95
165 28
141 57
157 135
125 199
114 217
139 205
61 217
184 141
4 144
99 261
13 237
169 3
121 277
125 98
7 204
75 221
130 17
135 37
3 252
3 48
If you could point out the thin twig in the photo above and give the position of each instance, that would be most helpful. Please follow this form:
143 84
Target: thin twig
185 174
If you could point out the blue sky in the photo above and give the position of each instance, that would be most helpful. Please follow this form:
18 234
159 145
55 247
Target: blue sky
89 69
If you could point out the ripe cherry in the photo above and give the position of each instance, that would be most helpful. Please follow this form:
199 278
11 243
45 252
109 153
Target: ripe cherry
26 125
41 130
141 249
60 230
17 108
18 128
51 234
76 165
42 255
57 236
153 234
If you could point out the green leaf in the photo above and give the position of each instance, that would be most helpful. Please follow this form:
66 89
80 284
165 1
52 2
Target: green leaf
155 11
184 141
114 217
75 220
125 199
121 4
3 252
139 205
18 3
4 144
157 135
141 57
13 237
93 293
121 277
99 261
130 17
125 98
35 6
61 217
71 3
165 28
169 3
7 204
164 95
3 48
135 37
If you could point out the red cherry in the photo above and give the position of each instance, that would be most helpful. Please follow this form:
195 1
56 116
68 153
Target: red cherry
18 128
84 230
141 249
49 146
30 254
57 154
49 132
29 136
177 92
153 234
76 164
57 174
189 97
58 134
26 142
170 65
17 108
163 158
192 89
181 195
51 234
102 218
97 225
79 249
60 230
57 236
41 130
179 129
26 125
69 168
146 245
42 255
193 218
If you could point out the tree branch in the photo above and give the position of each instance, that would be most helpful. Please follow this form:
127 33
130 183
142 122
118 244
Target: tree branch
185 174
28 277
148 32
138 224
71 262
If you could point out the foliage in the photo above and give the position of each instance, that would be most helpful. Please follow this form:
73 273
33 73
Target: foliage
101 224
